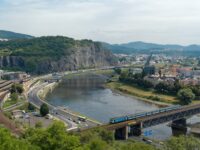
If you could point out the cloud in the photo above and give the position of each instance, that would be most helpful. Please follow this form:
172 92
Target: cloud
113 21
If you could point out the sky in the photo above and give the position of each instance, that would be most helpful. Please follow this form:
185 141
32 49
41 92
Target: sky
113 21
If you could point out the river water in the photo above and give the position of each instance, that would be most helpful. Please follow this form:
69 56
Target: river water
87 95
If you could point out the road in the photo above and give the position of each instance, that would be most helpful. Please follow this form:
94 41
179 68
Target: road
71 119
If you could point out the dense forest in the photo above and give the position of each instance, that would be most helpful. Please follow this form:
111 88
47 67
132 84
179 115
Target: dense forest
53 47
55 137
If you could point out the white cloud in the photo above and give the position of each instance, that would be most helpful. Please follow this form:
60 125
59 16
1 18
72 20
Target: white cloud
163 21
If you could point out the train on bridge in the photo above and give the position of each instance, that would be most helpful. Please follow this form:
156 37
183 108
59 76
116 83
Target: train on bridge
143 114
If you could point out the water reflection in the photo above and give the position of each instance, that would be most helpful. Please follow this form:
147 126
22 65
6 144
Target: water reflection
86 94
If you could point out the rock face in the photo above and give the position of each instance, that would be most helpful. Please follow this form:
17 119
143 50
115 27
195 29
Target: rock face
90 56
11 61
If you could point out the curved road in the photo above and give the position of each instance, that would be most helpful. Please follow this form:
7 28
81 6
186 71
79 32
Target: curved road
72 120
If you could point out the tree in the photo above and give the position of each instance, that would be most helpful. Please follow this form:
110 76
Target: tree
9 142
123 76
137 146
160 73
145 83
161 87
177 86
118 70
98 144
186 96
14 96
31 107
44 109
17 88
38 124
182 143
164 87
54 137
196 91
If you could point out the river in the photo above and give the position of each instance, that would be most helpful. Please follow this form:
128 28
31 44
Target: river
87 95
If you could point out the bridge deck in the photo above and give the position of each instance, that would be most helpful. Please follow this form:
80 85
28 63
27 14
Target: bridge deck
151 117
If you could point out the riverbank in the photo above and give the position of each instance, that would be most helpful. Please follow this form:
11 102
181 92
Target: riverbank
46 89
148 96
43 92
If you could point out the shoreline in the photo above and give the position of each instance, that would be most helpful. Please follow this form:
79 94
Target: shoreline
157 103
45 90
42 94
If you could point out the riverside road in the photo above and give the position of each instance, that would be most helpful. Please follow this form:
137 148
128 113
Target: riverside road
71 119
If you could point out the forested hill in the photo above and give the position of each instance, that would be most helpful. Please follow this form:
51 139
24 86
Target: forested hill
147 48
12 35
53 53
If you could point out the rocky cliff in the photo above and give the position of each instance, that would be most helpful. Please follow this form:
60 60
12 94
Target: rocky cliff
55 56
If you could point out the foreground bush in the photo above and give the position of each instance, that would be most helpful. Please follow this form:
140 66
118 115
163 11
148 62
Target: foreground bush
55 137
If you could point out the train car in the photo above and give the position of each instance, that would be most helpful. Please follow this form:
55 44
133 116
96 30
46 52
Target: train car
136 116
143 114
118 119
170 108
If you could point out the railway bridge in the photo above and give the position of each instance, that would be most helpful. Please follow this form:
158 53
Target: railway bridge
124 128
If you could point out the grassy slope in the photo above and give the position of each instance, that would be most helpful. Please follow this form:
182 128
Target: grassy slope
136 91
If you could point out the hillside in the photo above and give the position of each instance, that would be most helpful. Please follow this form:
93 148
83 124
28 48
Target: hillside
146 48
50 54
12 35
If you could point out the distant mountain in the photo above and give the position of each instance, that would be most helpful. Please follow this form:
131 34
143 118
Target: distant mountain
146 46
142 47
8 35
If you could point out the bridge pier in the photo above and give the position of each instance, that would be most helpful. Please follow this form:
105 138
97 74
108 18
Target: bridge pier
135 130
179 126
121 133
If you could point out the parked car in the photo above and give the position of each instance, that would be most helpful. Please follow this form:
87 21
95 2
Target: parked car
49 116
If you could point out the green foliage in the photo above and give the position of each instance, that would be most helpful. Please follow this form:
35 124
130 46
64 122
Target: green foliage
99 133
177 86
44 109
118 70
137 146
37 52
97 144
136 79
196 91
9 142
182 143
155 98
31 107
17 88
38 124
186 96
14 96
43 46
164 87
54 137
